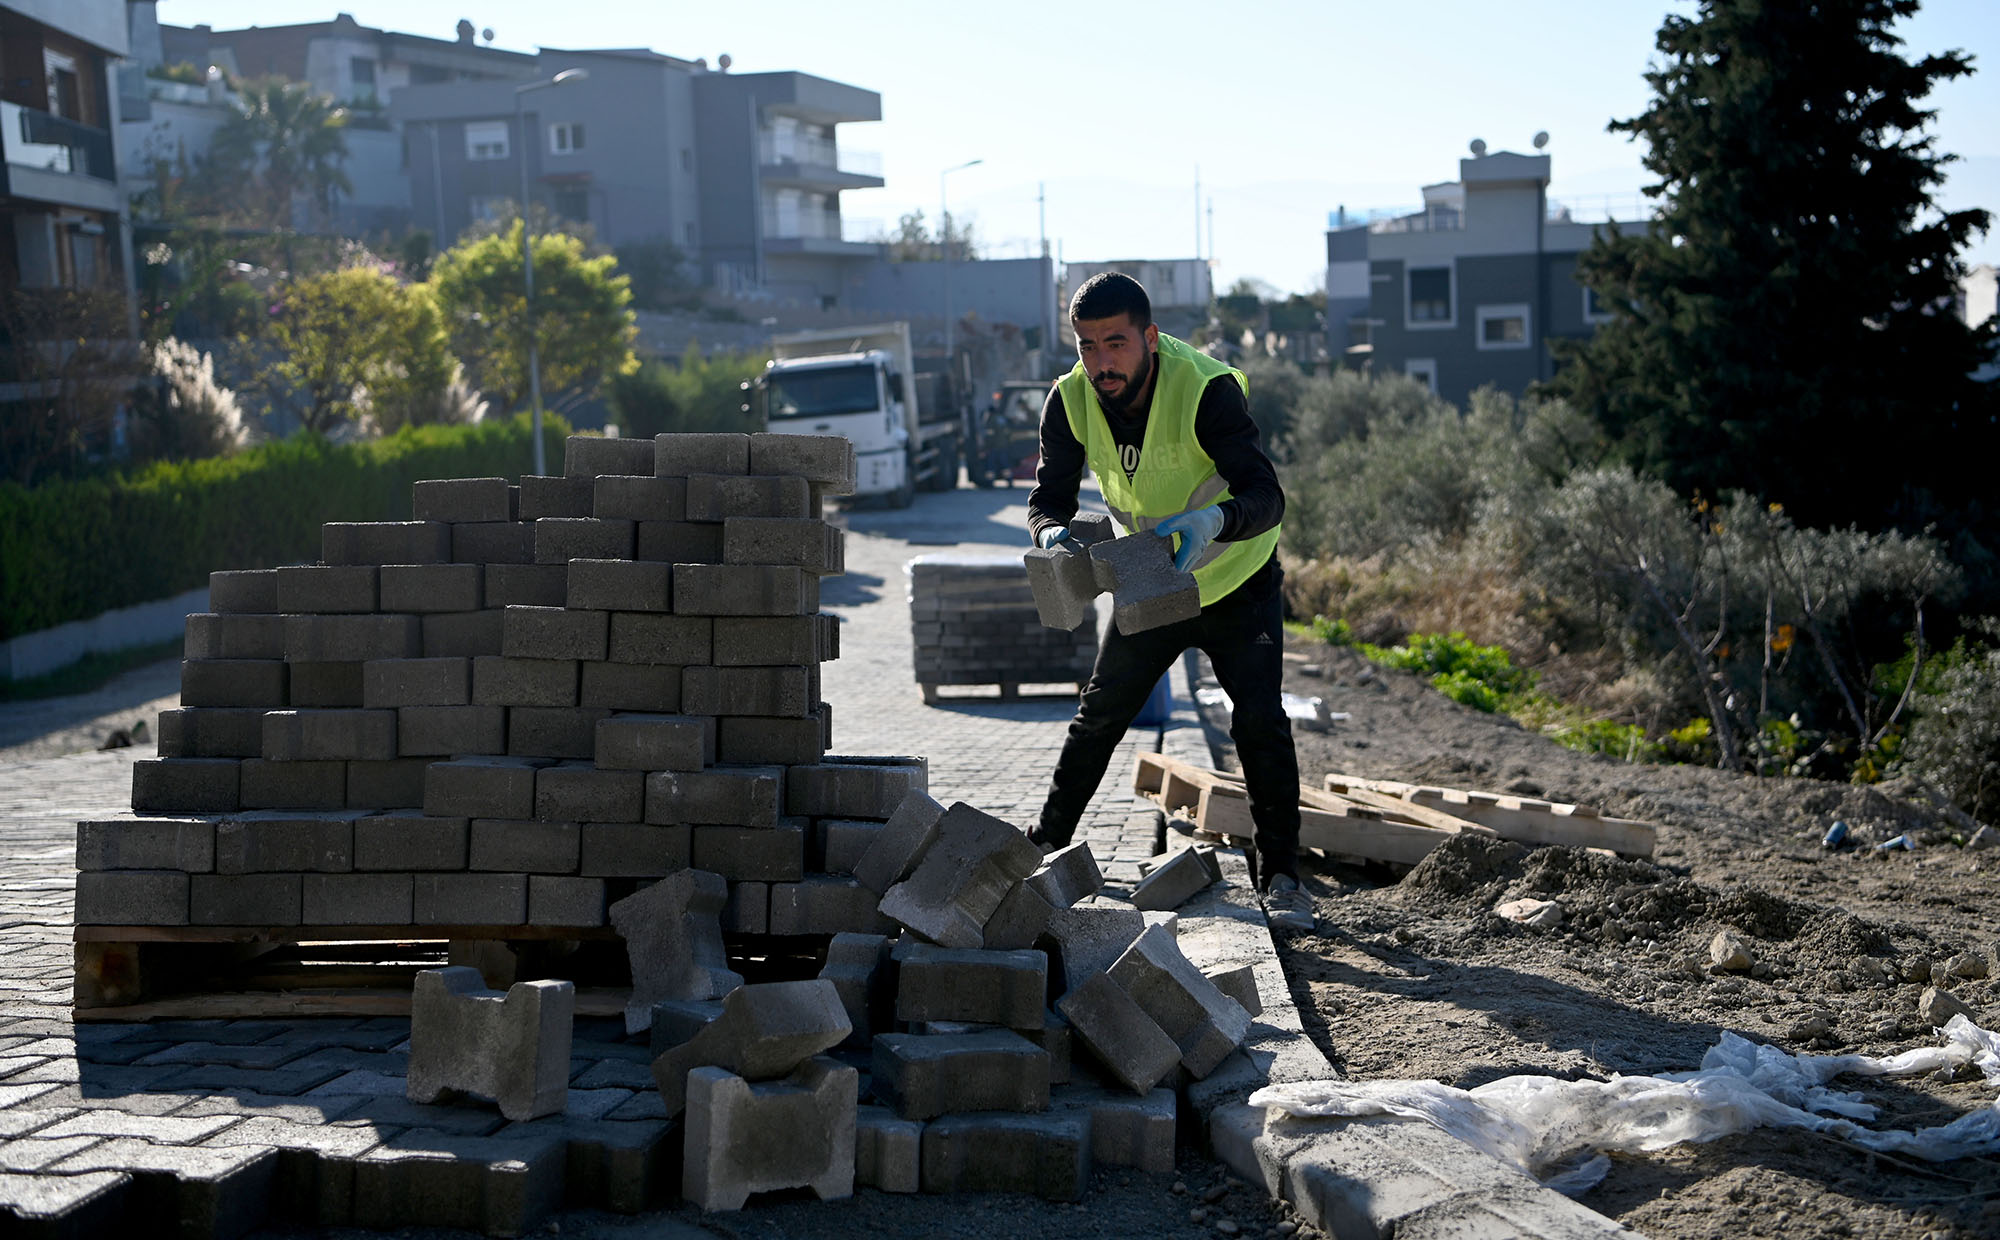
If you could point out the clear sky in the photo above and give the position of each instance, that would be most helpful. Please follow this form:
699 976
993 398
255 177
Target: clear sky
1288 108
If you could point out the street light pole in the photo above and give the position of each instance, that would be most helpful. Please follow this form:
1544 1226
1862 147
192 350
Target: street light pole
944 251
528 257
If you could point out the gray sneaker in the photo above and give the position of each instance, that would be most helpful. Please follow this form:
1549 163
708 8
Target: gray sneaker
1287 906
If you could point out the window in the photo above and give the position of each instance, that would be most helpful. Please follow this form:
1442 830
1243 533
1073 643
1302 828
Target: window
1594 308
65 87
1430 297
486 139
1424 370
1503 327
362 70
566 138
571 202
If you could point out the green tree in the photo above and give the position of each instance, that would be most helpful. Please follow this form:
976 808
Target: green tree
696 394
348 343
1784 326
284 140
659 272
583 315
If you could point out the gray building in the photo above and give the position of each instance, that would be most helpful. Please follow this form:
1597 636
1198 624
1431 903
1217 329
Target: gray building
1470 289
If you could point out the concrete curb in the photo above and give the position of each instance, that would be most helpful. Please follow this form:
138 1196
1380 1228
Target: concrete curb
141 624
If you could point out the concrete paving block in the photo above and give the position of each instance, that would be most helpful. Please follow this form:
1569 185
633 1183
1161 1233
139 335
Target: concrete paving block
1125 1131
512 1048
244 591
425 588
233 682
777 692
673 938
1020 920
775 854
1176 881
902 842
546 496
470 899
286 841
748 909
654 742
563 900
331 685
851 787
392 783
755 740
558 540
185 785
1047 1156
888 1152
244 900
447 731
838 844
1090 937
424 1178
761 1033
462 634
501 681
580 792
526 585
212 732
493 543
587 456
1146 592
62 1207
553 731
1006 988
824 459
509 845
357 899
679 454
745 1138
863 974
804 542
385 542
329 735
744 590
1067 876
220 635
350 639
388 683
462 499
186 844
322 589
633 850
630 686
639 497
822 904
203 1191
481 787
718 497
292 785
409 840
624 1166
1205 1023
132 898
1064 587
923 1076
554 633
677 641
962 878
680 542
1240 984
744 796
771 641
620 585
1119 1033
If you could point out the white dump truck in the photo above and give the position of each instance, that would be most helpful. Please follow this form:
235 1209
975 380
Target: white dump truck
860 383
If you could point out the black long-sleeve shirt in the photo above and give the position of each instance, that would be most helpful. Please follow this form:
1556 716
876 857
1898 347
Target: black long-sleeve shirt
1222 426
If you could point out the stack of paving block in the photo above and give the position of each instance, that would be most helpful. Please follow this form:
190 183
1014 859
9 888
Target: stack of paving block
973 621
515 708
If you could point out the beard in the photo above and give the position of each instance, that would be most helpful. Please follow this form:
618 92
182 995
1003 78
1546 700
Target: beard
1133 384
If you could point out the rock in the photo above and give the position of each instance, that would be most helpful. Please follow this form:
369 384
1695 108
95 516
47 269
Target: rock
1813 1027
1728 953
1226 1227
1536 914
1937 1007
1966 964
1918 970
1985 837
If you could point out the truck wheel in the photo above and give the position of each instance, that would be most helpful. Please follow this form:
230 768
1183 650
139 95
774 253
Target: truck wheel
905 495
945 475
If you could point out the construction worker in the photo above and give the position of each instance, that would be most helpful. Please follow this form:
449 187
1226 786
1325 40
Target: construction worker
1167 431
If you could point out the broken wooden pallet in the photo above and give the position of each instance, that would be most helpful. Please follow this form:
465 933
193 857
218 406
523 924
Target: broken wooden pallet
1527 820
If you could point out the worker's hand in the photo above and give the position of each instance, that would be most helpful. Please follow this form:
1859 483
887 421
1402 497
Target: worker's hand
1053 535
1197 529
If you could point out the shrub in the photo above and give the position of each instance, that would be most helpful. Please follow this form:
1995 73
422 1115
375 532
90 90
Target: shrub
181 412
698 394
1624 741
353 344
1954 742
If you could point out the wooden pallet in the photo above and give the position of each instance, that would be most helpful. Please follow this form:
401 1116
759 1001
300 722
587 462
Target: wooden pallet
1524 819
1010 690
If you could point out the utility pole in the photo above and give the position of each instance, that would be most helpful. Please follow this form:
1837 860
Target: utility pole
528 254
1197 210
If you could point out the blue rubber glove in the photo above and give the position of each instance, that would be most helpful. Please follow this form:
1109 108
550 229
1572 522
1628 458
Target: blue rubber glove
1053 535
1197 529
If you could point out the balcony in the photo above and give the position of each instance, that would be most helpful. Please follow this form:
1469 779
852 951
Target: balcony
816 163
57 160
819 232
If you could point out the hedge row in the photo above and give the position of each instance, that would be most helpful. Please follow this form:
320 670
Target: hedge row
70 550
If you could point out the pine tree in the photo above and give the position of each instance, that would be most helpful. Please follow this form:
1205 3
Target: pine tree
1785 325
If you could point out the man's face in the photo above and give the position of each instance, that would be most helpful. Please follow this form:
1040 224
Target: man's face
1117 356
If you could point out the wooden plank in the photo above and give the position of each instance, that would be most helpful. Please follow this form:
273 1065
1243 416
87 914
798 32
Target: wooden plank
330 934
1526 821
1398 810
592 1002
1226 809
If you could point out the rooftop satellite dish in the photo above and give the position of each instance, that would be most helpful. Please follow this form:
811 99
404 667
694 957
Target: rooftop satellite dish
1541 139
487 34
701 62
723 62
1478 148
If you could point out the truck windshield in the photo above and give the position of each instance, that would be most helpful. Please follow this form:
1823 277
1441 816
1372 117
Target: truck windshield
819 393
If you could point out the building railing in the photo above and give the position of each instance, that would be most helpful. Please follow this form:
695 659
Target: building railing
1603 208
1430 219
818 226
53 143
817 153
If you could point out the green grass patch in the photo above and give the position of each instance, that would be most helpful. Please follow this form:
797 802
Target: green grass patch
92 671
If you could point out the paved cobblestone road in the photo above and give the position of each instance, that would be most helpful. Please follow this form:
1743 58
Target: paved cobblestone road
211 1121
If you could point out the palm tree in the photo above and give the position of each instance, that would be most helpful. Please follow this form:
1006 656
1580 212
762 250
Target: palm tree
284 140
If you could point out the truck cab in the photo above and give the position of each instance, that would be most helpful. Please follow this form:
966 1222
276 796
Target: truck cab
858 396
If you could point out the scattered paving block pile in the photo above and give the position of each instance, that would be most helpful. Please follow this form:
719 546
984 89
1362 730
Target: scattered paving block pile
974 620
1137 570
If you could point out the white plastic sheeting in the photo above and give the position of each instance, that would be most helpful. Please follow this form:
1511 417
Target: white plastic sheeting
1559 1131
